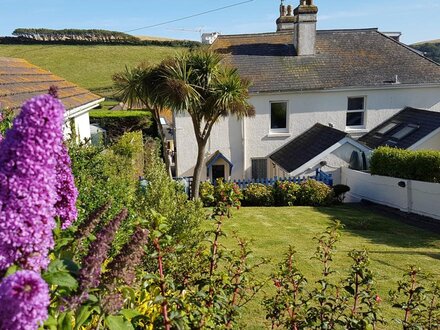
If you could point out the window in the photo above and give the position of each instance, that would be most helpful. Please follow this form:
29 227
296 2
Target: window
356 112
278 116
259 168
386 129
404 132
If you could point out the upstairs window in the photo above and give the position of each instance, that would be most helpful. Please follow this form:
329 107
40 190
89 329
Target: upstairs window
278 116
356 112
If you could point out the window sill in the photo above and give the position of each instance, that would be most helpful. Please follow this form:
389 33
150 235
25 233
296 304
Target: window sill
356 130
278 135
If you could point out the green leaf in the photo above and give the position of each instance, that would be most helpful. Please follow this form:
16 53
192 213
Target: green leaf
130 313
65 322
61 278
117 323
81 316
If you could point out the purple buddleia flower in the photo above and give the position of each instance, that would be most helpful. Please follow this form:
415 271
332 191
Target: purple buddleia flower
123 266
28 157
90 273
24 299
66 190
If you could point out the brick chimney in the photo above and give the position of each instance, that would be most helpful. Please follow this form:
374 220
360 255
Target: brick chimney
304 36
286 20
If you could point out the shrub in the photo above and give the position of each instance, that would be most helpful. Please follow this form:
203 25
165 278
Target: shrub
314 193
406 164
117 123
339 192
258 194
286 193
207 193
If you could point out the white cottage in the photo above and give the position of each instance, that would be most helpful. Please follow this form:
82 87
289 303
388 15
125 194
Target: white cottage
20 81
348 80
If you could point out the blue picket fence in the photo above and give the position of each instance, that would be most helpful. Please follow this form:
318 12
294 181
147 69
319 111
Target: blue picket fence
319 176
242 184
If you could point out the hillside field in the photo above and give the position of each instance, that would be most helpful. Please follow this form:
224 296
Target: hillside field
91 67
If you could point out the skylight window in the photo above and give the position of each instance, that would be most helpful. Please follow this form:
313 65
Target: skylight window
404 132
386 129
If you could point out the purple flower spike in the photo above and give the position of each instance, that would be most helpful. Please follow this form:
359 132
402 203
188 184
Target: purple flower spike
28 157
24 299
66 190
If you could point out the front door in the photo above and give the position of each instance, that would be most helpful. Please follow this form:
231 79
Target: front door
218 171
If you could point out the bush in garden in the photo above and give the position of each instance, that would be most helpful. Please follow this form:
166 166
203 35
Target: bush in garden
107 174
421 165
339 192
207 193
314 193
286 193
118 123
257 194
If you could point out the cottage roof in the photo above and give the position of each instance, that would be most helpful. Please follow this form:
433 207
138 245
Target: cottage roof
344 59
404 129
20 81
307 146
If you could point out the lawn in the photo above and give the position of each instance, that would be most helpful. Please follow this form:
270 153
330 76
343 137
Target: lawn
393 246
91 67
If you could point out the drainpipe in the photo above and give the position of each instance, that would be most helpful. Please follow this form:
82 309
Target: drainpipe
243 127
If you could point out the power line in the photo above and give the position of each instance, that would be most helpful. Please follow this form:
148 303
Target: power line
158 24
191 16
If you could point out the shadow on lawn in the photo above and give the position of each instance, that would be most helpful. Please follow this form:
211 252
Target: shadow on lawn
381 229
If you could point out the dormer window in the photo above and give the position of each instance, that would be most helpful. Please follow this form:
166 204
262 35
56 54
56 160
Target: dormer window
356 112
278 117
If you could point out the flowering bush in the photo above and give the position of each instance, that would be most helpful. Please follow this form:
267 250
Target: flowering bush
258 194
286 193
27 179
207 193
314 193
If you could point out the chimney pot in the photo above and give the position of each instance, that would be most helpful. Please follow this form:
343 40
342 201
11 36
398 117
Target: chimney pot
289 10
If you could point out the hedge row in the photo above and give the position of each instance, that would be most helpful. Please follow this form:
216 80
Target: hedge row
117 123
406 164
308 193
115 42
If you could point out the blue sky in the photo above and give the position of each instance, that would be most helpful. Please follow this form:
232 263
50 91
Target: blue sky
418 20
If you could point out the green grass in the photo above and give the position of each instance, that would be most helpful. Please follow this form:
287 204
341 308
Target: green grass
91 67
393 246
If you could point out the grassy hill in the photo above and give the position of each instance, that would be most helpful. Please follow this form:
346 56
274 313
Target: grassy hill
431 49
91 67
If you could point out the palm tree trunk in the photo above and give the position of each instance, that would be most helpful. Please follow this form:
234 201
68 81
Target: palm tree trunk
198 168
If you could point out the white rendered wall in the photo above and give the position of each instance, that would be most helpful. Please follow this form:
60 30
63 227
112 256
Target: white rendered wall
431 144
305 110
225 137
82 125
416 197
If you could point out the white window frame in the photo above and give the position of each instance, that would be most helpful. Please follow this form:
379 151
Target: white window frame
364 111
279 130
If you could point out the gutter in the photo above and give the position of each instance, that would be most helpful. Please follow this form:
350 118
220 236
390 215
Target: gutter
75 112
349 88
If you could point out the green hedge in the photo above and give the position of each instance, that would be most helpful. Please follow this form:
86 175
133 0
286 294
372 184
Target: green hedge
308 193
117 123
412 165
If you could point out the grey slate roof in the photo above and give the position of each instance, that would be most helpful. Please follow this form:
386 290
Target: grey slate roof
306 147
344 58
426 121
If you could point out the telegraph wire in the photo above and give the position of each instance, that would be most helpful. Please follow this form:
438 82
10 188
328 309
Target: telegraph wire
158 24
191 16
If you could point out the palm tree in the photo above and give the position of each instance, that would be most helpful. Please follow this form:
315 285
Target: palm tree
199 84
139 87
